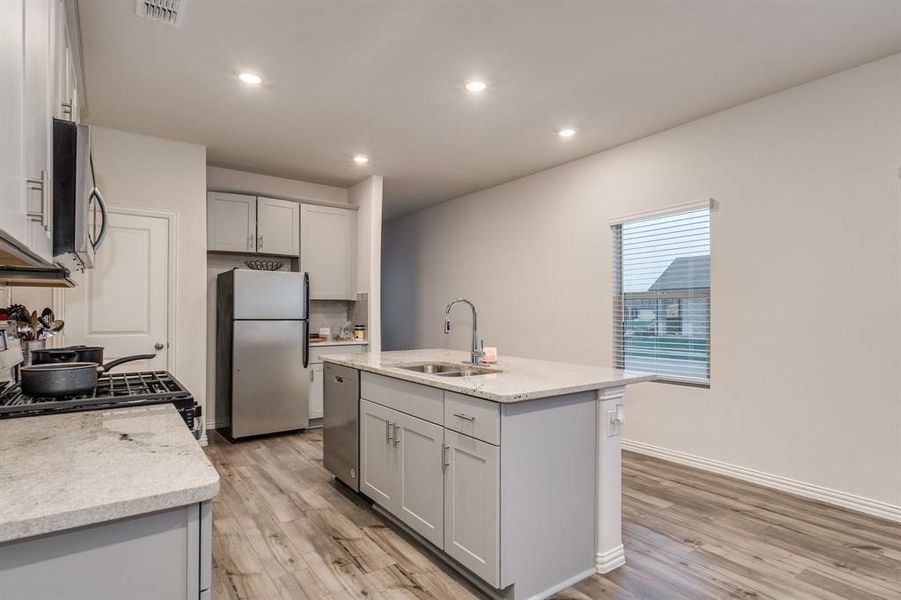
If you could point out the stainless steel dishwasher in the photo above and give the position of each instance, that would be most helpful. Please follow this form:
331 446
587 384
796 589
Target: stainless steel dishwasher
341 423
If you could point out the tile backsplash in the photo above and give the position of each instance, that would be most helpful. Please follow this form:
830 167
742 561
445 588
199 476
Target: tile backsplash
334 313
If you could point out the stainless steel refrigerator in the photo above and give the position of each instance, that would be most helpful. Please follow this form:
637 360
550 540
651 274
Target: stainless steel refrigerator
262 352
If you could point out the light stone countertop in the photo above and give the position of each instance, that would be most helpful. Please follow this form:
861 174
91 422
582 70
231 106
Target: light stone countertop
339 343
68 470
520 378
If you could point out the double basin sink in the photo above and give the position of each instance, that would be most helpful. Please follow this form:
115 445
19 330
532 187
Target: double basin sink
449 369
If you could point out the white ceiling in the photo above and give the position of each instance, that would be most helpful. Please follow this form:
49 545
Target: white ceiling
384 78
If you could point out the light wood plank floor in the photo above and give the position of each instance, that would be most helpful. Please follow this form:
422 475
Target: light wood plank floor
283 530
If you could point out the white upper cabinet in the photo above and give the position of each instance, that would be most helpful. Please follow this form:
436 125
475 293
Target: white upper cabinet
328 251
39 78
251 224
231 222
13 217
278 226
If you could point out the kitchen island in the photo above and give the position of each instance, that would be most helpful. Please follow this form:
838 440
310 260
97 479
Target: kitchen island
104 504
510 472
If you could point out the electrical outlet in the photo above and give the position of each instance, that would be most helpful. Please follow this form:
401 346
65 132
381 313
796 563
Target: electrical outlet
615 418
612 422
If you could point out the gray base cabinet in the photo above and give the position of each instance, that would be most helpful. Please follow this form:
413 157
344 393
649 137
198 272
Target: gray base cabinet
471 505
505 493
166 554
421 504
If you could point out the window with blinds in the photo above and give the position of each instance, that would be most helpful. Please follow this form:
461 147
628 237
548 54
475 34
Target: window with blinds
661 295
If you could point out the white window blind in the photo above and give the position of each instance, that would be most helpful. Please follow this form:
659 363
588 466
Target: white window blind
661 295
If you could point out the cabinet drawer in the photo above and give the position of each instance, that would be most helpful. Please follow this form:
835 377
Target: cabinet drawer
421 401
316 352
475 417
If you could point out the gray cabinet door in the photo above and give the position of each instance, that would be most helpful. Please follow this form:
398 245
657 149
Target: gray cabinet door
421 477
379 459
269 384
278 226
148 557
38 139
471 505
317 390
13 218
231 222
328 251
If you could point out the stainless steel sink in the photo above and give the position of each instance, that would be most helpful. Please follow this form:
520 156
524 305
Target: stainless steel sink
450 369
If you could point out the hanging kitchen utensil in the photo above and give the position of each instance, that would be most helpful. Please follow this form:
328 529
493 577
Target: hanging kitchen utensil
46 318
54 380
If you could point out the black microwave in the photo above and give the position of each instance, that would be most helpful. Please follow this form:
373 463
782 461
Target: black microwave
78 229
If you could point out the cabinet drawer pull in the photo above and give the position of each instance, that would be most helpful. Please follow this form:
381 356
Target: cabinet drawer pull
339 379
387 431
464 416
445 461
395 439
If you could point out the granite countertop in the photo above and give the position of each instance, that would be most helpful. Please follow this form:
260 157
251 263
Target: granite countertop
520 378
68 470
339 343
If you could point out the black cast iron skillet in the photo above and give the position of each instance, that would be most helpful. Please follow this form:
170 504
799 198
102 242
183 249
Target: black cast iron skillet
70 354
69 378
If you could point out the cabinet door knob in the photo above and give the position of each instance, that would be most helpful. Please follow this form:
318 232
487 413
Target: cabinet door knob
159 345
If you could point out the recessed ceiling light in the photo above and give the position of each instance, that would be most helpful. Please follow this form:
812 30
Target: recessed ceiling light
360 159
566 132
476 86
251 78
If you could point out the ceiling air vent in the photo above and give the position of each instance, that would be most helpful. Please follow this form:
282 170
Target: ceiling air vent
165 11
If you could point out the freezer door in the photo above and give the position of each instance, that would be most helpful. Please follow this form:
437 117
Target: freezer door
269 295
270 387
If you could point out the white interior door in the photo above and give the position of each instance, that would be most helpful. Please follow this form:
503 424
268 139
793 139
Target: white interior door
122 303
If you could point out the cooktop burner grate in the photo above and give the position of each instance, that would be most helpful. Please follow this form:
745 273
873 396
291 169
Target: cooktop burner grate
112 388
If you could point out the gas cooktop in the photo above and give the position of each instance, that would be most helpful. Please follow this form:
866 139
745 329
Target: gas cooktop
114 390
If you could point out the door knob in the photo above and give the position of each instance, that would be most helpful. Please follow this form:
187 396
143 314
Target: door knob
159 345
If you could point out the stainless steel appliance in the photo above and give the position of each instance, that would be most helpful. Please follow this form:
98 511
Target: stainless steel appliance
341 424
76 235
262 352
113 390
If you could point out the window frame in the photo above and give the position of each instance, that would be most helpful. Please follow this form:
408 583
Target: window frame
620 298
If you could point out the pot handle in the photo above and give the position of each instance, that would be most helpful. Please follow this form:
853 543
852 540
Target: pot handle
124 359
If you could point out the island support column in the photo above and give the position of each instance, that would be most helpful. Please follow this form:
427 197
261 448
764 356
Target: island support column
609 551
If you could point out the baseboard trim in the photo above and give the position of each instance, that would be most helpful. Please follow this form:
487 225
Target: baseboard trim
563 585
875 508
216 423
611 559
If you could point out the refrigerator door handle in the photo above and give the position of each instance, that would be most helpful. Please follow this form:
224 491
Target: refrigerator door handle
306 323
306 344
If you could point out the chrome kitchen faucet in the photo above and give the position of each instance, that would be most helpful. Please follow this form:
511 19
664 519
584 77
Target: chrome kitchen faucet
477 344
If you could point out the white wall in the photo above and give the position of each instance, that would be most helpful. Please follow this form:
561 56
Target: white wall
806 340
368 196
147 172
230 180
